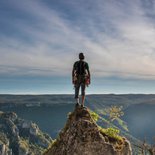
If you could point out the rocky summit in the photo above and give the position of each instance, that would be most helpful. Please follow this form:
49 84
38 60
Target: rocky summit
82 136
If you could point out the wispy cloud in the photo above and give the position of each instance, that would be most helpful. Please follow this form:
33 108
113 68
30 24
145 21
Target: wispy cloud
116 36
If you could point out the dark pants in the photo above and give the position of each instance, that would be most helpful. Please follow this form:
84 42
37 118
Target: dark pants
77 88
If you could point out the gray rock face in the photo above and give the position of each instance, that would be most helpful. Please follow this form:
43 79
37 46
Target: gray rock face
152 150
21 137
82 136
4 150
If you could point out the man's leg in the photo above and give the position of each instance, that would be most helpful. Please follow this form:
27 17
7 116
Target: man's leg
83 99
77 87
83 93
77 100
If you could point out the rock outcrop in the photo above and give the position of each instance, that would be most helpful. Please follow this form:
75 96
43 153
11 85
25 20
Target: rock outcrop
4 149
21 137
82 136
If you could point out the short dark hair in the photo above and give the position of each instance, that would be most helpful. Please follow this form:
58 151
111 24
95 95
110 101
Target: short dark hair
81 56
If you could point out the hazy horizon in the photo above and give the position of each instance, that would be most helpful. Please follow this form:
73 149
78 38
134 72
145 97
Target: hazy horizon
73 94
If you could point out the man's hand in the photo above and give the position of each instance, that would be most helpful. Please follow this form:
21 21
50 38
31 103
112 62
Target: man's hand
73 82
87 81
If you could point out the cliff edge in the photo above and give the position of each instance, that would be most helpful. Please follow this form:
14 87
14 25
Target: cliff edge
82 136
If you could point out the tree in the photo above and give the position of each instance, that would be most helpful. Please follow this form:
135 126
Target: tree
114 112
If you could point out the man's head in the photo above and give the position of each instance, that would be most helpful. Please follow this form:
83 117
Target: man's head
81 56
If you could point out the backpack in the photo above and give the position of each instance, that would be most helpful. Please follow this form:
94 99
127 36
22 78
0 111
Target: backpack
80 68
80 72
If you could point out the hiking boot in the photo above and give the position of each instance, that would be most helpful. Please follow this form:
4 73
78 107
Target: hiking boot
82 106
77 105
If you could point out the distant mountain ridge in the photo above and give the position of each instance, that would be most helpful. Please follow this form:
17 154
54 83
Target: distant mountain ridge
125 99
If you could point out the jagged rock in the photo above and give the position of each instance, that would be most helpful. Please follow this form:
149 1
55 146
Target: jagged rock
82 136
23 151
25 124
34 130
4 149
21 137
152 150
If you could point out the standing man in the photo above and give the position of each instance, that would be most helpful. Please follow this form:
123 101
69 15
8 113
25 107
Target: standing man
80 77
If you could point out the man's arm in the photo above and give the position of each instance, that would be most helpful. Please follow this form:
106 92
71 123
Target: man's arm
87 67
73 76
88 73
73 73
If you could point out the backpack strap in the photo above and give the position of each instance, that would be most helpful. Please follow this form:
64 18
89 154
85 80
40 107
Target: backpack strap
80 68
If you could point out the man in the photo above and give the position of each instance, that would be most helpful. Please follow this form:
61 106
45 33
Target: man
80 77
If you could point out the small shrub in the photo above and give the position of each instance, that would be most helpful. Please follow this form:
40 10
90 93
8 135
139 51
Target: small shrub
114 112
94 116
54 143
112 132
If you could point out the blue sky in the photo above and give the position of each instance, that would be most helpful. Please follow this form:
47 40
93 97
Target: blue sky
41 39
